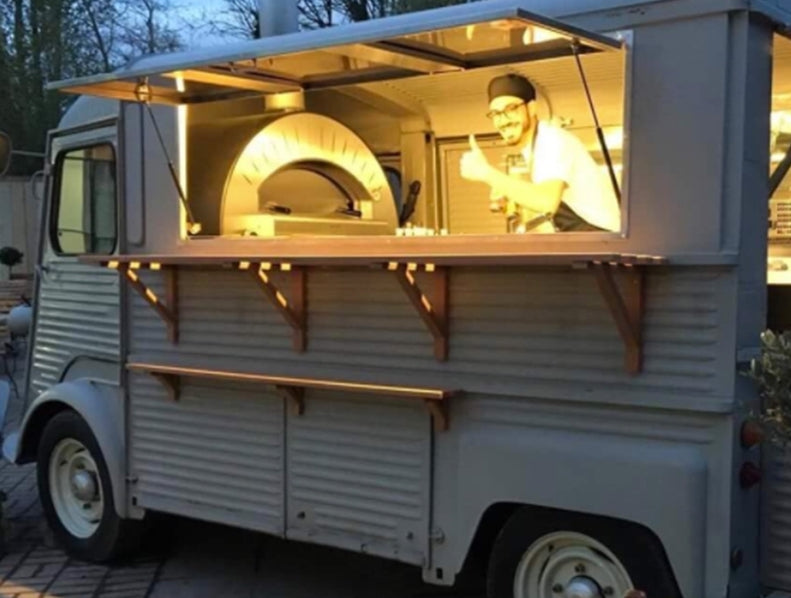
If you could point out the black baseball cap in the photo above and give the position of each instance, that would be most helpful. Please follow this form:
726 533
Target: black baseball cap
512 85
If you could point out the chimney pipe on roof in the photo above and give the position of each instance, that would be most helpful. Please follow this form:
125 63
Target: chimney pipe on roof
276 17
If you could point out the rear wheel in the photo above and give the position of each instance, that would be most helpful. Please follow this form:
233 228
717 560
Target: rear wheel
76 492
573 556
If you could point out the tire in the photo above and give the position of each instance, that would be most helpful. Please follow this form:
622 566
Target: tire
76 492
540 553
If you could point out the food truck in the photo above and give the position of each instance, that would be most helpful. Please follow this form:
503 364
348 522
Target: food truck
267 297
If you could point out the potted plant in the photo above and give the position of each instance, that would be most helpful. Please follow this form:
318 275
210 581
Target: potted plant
10 257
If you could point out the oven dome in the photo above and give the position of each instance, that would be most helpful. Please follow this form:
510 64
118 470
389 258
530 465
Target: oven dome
307 174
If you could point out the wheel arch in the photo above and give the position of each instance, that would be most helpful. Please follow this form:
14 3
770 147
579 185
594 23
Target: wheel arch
497 515
101 406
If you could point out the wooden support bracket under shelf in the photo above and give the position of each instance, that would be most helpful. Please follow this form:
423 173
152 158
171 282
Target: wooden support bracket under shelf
292 308
296 394
433 311
626 303
172 384
167 309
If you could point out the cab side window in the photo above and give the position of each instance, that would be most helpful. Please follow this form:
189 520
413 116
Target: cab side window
84 210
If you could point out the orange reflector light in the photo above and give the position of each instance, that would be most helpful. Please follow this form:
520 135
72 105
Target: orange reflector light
749 475
751 434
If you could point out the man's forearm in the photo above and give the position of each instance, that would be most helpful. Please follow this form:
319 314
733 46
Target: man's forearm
540 198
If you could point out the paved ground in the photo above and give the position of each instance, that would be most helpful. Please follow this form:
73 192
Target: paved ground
188 559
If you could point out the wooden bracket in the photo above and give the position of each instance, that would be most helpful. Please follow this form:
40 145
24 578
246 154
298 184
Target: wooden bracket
168 310
297 396
171 383
626 304
293 310
439 414
434 311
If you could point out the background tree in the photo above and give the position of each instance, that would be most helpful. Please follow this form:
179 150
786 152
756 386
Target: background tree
239 18
50 40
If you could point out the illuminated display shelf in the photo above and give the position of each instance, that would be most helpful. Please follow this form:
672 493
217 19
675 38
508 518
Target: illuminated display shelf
625 300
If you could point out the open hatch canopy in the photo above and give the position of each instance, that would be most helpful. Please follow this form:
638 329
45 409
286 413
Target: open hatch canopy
448 39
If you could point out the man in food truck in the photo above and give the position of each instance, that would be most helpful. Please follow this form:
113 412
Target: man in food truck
560 189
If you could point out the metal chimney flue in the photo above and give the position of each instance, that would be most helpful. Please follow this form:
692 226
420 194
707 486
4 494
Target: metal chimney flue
277 17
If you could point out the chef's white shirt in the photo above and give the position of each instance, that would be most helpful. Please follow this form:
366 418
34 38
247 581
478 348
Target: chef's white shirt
560 155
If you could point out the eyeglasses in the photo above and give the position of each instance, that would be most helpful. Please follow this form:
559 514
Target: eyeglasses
510 111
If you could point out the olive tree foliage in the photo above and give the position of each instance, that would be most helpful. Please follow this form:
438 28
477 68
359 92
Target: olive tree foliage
50 40
772 372
240 18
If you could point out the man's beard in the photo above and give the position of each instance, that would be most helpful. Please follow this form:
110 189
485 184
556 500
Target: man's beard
516 139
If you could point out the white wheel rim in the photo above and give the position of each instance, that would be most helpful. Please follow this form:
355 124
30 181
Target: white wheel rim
570 565
75 488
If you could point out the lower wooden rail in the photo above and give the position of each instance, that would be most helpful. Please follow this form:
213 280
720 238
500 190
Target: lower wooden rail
293 388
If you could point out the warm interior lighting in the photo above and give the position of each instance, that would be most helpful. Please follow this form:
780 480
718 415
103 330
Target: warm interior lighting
430 267
151 296
392 266
281 299
132 276
265 266
112 264
264 278
409 277
426 303
244 265
285 267
411 267
134 265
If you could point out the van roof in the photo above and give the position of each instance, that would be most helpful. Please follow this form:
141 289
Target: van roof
443 40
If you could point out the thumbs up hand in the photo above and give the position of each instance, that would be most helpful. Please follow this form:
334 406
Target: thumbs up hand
474 165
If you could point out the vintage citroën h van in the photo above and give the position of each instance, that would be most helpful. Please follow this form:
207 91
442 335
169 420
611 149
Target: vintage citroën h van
267 297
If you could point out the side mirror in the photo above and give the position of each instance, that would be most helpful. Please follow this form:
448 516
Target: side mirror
6 149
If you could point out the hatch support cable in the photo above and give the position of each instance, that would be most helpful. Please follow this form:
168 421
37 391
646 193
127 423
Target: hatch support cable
575 46
193 228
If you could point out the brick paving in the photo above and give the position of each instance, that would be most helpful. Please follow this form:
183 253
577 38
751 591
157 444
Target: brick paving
34 568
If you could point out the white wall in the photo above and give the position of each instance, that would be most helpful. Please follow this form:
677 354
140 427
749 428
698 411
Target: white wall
18 221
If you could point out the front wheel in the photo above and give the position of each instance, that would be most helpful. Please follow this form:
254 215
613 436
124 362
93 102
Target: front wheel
76 492
572 556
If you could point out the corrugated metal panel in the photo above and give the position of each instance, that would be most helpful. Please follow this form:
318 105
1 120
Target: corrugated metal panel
776 532
358 467
519 331
78 315
219 449
359 473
